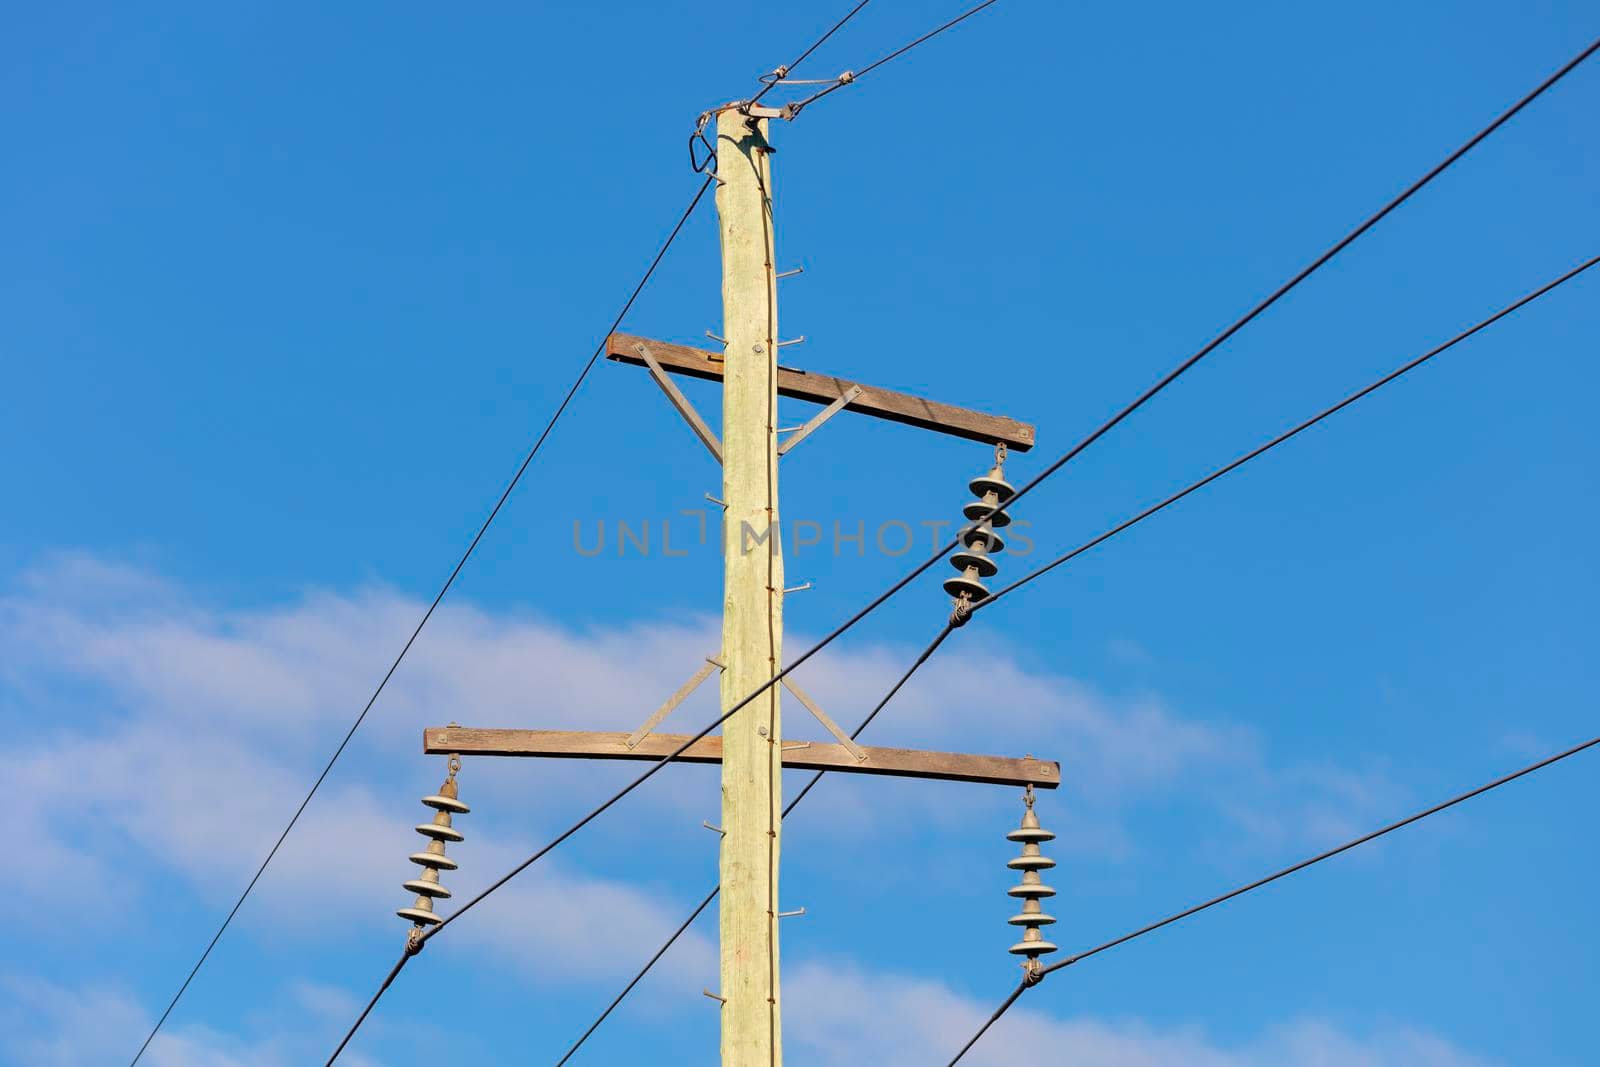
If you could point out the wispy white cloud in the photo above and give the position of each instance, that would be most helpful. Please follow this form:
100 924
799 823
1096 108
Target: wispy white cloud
1129 652
207 723
172 737
851 1015
859 1016
48 1025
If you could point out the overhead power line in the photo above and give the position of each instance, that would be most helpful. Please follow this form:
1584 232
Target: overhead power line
1187 364
1294 431
695 914
936 31
517 477
850 77
1173 499
778 74
702 154
1284 289
1114 531
416 944
419 941
455 572
1029 983
412 949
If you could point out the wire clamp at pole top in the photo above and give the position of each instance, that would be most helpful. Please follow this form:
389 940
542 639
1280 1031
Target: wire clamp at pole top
761 111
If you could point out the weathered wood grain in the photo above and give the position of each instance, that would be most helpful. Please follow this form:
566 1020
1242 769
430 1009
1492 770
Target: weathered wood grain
814 756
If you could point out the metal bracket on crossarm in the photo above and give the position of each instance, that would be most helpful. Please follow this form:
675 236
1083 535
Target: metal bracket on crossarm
818 419
711 664
681 402
827 722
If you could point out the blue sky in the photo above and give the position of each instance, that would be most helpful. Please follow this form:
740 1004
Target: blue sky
288 290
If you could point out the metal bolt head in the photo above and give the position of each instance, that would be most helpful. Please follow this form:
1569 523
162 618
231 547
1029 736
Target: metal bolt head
758 348
762 730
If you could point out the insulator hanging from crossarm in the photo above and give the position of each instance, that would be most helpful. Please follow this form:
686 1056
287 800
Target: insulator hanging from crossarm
980 543
446 804
1031 890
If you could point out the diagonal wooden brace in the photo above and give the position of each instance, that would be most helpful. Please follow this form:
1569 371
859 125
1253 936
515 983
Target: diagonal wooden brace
822 717
681 402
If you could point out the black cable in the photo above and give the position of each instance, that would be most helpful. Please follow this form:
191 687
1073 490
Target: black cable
647 775
837 26
1398 372
674 754
655 766
624 791
1067 457
419 941
1237 325
1005 1006
851 76
1285 872
662 951
873 714
946 631
462 562
903 49
1025 579
394 971
704 904
1305 273
1173 499
698 135
1149 394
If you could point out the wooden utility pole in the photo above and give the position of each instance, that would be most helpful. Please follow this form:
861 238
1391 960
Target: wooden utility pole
752 598
751 747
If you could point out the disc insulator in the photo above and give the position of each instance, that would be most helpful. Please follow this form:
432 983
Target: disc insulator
432 860
1031 889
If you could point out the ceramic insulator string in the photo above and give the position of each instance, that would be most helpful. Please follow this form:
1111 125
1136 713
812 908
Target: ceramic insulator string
979 542
1031 890
432 859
